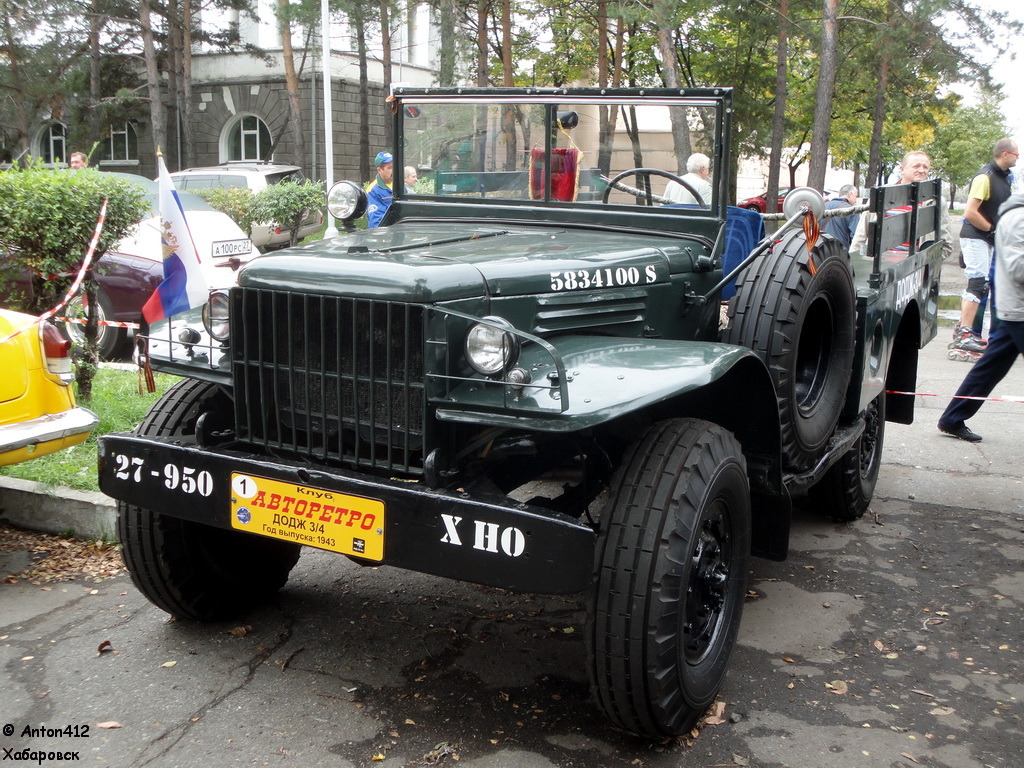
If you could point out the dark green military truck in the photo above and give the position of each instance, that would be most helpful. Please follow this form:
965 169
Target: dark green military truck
558 367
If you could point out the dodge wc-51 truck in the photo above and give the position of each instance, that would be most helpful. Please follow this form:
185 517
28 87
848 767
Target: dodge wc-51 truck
542 373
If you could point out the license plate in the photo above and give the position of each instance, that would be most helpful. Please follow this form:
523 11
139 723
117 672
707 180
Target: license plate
351 525
232 248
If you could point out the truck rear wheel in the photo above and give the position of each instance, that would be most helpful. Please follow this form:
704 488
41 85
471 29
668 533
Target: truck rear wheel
188 569
845 491
671 567
798 314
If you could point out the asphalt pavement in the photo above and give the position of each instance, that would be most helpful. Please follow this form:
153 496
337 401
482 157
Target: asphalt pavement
893 641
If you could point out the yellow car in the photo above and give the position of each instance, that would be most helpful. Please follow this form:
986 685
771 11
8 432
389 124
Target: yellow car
38 414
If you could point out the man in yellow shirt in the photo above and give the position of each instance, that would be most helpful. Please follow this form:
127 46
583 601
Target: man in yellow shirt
990 188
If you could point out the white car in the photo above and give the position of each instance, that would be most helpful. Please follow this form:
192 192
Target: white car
255 176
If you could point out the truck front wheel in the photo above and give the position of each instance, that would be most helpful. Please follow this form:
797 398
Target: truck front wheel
188 569
671 576
845 491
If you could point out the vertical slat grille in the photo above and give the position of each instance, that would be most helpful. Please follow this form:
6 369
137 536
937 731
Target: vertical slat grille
329 377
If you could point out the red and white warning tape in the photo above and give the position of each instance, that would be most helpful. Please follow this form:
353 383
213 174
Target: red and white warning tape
1007 399
110 323
77 284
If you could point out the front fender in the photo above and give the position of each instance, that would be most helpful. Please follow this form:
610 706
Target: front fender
605 379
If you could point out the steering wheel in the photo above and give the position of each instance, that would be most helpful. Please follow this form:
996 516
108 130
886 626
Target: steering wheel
654 172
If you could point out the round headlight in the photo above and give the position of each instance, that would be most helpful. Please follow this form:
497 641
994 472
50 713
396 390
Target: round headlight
215 316
491 347
346 200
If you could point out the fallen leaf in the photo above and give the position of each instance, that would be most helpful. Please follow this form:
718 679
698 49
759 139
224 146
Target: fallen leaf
838 687
105 647
879 645
109 725
740 759
410 721
909 757
168 664
788 660
239 631
715 715
569 630
942 711
377 758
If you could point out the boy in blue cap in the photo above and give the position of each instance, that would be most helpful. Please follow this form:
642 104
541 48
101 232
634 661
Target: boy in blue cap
378 195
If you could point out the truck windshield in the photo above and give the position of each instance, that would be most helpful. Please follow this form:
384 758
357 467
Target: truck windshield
558 152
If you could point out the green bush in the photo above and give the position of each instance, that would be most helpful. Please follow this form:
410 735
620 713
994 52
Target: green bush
47 218
285 204
236 202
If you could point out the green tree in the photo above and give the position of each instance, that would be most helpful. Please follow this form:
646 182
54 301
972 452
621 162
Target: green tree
963 142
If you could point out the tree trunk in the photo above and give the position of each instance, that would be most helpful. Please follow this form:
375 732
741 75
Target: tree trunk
173 154
385 38
447 56
508 122
822 127
779 115
481 43
156 104
95 90
17 94
365 163
291 79
680 128
188 140
875 152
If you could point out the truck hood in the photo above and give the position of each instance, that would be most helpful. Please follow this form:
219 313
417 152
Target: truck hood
436 262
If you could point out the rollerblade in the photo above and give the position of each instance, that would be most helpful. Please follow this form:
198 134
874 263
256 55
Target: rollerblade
961 354
965 346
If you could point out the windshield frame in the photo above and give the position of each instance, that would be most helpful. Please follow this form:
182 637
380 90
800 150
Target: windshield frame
717 102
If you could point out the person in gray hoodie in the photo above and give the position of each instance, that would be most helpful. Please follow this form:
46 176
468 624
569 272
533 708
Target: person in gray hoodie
1007 340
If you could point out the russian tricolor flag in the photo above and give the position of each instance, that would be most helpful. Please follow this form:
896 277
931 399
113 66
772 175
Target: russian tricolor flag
184 285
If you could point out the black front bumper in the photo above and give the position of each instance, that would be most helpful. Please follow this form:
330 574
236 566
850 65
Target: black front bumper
492 541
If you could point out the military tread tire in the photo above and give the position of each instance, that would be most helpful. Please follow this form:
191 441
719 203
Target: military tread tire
671 570
845 491
188 569
800 320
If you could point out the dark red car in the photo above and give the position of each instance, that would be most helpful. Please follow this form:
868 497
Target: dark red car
759 203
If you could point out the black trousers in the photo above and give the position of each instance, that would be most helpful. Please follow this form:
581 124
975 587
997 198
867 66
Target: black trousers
1004 344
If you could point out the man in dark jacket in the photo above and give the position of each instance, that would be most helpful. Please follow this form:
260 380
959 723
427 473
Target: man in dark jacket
1007 340
842 228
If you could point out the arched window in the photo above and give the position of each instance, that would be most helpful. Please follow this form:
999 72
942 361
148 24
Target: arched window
53 143
247 138
120 143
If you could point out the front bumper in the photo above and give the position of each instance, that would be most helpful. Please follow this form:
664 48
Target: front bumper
492 541
45 434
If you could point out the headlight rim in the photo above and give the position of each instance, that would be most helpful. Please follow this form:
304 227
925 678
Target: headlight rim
223 327
511 346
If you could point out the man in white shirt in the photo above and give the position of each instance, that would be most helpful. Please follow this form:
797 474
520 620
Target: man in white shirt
698 169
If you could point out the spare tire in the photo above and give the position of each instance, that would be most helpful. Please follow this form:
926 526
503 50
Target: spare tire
797 311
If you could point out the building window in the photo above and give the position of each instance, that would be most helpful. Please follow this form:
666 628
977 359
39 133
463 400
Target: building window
120 144
53 143
248 138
